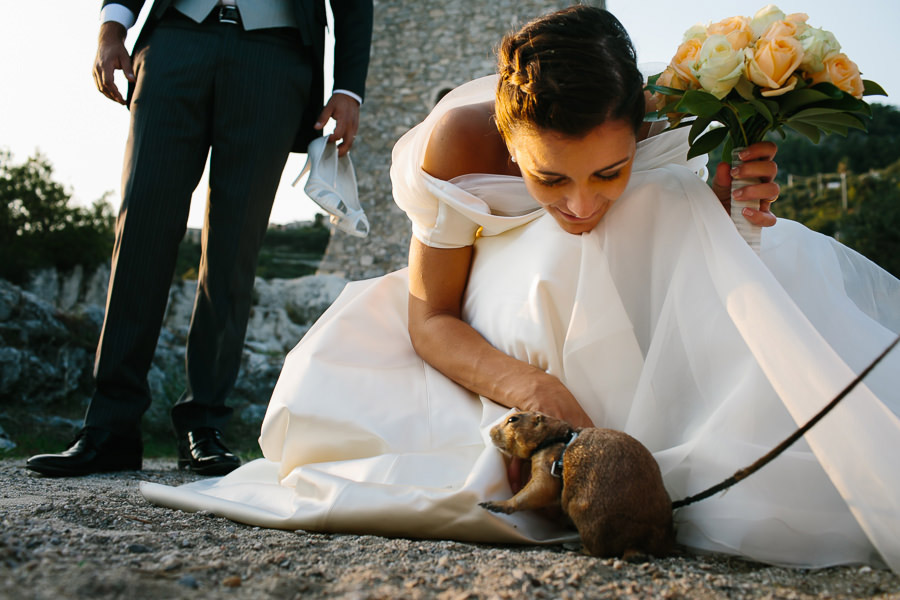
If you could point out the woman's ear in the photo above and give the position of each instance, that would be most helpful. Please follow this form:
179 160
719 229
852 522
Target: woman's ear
512 153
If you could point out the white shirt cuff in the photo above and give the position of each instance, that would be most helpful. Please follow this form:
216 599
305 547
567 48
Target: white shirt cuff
349 93
119 14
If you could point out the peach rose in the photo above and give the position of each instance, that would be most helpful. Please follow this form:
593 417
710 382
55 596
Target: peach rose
765 17
719 66
684 60
788 86
736 29
842 72
669 78
781 29
773 61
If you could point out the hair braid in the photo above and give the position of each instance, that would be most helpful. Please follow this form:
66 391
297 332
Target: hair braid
568 71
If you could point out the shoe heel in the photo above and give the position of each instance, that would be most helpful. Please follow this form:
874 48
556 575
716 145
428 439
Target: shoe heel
303 171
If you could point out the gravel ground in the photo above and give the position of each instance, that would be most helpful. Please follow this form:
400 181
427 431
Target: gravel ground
96 537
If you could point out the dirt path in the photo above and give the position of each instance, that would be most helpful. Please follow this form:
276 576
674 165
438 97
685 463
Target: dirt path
96 537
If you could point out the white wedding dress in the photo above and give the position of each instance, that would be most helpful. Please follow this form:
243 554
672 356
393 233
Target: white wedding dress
661 321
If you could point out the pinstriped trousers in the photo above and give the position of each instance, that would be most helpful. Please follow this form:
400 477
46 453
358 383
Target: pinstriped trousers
201 89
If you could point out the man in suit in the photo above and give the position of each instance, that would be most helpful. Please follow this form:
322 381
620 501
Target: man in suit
242 81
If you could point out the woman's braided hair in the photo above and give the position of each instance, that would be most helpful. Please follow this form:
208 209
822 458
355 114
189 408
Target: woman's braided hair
568 72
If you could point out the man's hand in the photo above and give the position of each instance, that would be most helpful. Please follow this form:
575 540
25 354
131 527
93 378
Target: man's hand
111 55
758 163
345 111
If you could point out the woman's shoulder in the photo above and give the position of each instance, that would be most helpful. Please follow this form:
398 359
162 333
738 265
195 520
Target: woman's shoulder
465 140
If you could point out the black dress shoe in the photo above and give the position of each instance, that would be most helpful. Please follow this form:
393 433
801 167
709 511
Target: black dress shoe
203 451
93 451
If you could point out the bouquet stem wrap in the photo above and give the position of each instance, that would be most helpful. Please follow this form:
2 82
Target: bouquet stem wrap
751 233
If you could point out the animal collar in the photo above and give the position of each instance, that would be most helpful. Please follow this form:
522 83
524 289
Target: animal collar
556 469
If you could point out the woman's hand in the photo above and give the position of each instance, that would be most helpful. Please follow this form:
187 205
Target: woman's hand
758 163
529 388
545 393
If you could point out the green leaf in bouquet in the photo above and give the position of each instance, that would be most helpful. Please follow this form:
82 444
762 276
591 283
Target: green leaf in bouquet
797 99
763 109
745 88
829 122
699 103
679 121
870 88
669 108
664 90
654 78
745 110
698 126
845 102
829 89
666 112
726 150
819 111
842 119
829 129
810 131
707 142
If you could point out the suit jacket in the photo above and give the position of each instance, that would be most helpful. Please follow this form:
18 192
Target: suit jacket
352 37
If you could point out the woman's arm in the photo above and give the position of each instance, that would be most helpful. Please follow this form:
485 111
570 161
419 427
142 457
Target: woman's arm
466 141
437 282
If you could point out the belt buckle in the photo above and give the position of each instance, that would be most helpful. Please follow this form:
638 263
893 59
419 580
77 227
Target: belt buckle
229 14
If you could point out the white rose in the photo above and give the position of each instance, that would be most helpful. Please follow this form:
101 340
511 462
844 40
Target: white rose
765 17
719 66
697 32
818 46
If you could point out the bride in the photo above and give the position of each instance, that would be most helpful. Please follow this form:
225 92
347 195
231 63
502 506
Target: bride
567 260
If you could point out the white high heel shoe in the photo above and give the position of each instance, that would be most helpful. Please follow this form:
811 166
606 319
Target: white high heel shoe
332 185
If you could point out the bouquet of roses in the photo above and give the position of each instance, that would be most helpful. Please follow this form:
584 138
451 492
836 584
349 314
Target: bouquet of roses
759 74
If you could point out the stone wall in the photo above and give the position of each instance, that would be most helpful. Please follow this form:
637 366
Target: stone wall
419 49
49 331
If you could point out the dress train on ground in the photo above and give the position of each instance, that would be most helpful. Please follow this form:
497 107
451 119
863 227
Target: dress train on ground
661 321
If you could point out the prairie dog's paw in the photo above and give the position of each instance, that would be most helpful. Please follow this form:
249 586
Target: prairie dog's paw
497 507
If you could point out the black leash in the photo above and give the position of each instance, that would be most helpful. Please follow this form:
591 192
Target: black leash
746 472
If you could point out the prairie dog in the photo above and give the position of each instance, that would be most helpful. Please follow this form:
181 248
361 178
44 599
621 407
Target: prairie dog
610 486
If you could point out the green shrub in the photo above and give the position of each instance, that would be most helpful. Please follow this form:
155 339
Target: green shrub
39 228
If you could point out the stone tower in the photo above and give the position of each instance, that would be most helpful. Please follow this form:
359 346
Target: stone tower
420 50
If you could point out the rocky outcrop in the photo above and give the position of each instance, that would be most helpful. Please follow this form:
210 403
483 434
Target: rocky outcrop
49 331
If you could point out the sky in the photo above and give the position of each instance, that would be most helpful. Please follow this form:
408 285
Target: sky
48 101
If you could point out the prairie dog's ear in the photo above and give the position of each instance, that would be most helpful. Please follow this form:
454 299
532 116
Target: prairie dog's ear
538 418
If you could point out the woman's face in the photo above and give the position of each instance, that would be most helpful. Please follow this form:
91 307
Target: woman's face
576 179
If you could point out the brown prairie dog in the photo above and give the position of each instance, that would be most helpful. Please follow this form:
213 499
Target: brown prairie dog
610 485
